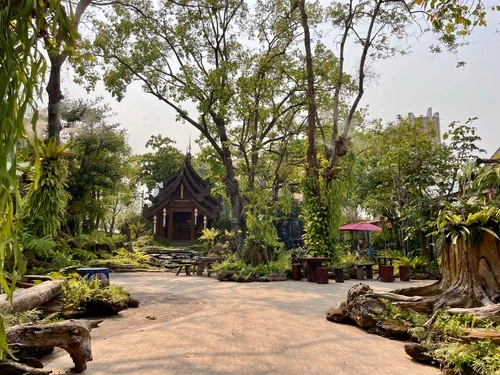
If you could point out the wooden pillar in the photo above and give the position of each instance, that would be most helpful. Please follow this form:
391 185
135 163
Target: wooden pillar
191 228
169 223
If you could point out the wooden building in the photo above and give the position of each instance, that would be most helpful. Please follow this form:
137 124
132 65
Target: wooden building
183 206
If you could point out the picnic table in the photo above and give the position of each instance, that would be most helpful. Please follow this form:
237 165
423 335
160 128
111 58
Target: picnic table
312 264
186 264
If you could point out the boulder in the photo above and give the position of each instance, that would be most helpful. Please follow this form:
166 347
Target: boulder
418 352
225 275
339 314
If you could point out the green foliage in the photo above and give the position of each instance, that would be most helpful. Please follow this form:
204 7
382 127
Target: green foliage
244 271
162 162
101 173
136 229
468 218
41 247
21 75
30 316
209 237
123 257
45 204
261 230
321 212
483 357
444 345
78 293
414 319
98 241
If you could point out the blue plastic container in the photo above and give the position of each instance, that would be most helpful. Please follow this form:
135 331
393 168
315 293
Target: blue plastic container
94 273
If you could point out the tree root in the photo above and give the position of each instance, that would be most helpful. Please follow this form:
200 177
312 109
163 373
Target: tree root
428 290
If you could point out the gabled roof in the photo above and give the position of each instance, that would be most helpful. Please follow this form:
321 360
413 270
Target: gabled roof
198 187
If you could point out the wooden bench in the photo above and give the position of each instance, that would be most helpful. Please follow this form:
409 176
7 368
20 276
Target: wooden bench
364 270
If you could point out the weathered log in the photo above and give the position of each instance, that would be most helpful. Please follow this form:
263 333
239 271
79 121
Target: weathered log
15 368
396 297
480 334
72 336
27 299
485 313
426 290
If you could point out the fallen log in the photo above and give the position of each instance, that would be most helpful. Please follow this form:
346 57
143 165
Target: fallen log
15 368
27 299
480 334
71 335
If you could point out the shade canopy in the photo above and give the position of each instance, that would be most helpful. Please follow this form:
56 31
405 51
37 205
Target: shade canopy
361 227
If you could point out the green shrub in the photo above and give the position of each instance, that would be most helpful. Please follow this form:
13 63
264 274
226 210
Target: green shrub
79 293
30 316
483 357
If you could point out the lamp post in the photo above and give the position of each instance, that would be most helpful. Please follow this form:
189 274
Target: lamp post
164 217
195 215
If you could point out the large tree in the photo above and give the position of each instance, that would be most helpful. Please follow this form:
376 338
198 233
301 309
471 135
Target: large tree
98 165
236 68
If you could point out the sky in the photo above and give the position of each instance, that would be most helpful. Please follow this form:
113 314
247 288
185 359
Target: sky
411 83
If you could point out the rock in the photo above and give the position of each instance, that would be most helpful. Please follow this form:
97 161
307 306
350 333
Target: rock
418 352
339 314
363 310
357 290
225 275
391 329
133 302
275 276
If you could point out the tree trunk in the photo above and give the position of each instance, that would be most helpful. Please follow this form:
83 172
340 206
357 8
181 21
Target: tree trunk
311 99
53 89
27 299
470 276
471 273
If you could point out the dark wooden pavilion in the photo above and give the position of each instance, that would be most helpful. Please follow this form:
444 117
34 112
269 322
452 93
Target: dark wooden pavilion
183 206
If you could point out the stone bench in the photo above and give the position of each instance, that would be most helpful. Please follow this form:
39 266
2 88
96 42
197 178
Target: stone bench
364 270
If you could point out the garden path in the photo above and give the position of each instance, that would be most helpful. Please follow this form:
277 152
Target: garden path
198 325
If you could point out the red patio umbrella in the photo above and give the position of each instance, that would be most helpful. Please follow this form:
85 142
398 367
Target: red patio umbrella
362 226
